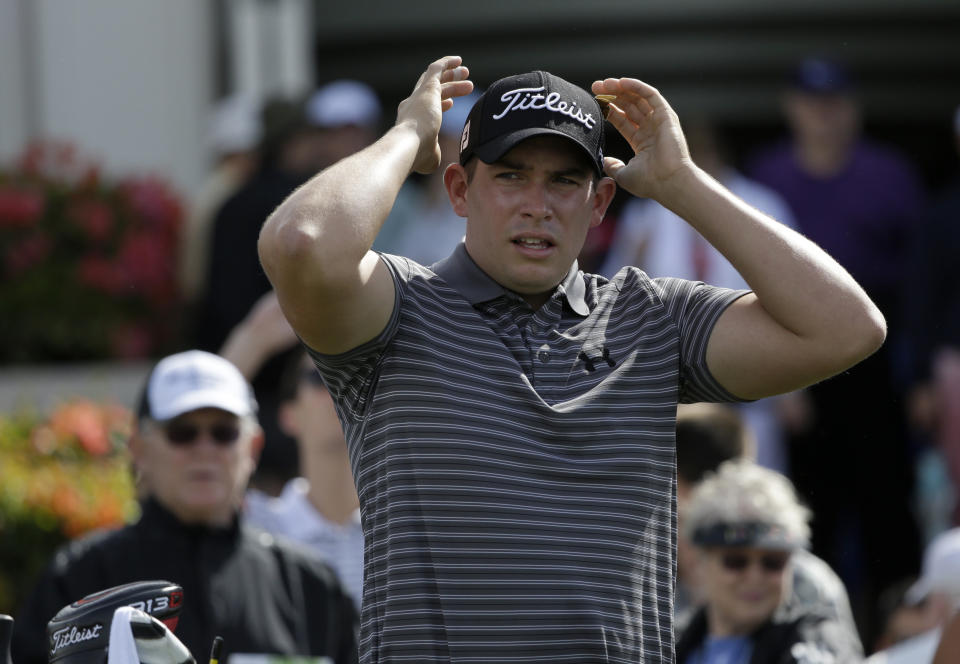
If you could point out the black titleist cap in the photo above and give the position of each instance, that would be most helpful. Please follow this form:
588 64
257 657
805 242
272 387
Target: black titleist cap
533 104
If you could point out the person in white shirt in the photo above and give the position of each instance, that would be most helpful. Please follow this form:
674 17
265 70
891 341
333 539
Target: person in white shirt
320 508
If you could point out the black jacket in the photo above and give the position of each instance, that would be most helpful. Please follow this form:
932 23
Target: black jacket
261 596
809 638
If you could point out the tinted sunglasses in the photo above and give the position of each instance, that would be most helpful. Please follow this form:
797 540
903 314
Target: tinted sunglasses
769 562
181 434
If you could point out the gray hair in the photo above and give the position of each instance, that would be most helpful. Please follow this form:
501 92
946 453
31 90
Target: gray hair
740 491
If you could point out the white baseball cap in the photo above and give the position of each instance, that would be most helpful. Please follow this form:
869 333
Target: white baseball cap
192 380
941 568
342 103
235 125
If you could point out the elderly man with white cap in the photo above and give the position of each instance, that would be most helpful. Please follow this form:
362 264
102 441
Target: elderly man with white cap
196 442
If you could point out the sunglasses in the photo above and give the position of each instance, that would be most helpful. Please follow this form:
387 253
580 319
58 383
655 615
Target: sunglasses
769 562
181 434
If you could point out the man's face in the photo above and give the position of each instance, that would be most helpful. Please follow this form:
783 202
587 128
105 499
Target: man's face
742 586
528 214
197 464
823 118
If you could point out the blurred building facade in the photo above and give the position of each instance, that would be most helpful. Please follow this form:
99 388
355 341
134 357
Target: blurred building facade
132 81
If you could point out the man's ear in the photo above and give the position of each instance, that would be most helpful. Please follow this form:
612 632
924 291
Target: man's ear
602 197
455 179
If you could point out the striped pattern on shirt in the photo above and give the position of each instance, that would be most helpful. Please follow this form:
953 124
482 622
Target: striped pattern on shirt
516 468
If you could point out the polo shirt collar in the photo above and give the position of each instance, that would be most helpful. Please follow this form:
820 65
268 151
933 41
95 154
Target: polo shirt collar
465 276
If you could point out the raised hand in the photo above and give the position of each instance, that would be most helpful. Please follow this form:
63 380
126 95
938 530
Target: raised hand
652 129
443 80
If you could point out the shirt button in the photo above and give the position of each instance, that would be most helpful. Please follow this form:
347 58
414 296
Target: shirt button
544 353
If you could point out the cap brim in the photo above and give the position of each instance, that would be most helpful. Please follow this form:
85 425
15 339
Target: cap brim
494 149
195 400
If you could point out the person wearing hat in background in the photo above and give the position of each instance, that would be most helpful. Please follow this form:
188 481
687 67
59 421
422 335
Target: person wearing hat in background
319 507
860 201
194 446
509 418
300 136
709 435
746 524
933 600
233 136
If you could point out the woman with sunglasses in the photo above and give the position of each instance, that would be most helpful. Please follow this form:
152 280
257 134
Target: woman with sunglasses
745 523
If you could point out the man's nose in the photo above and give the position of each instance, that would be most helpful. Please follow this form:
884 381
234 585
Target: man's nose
537 201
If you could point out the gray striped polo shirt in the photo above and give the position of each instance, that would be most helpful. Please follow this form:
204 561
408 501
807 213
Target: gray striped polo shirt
516 468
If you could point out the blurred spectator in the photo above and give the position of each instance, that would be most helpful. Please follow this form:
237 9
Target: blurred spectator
932 318
859 201
434 229
235 279
301 137
320 508
898 620
708 435
194 447
233 136
659 242
929 604
746 524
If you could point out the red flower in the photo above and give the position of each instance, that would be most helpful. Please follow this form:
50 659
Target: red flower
153 202
144 260
94 217
29 252
103 275
20 208
82 419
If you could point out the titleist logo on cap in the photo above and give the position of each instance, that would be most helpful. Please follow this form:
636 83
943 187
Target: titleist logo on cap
523 99
69 636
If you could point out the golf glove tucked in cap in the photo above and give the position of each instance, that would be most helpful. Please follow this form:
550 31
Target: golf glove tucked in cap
192 380
533 104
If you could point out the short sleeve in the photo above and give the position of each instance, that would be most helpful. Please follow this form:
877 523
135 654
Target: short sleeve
351 376
695 307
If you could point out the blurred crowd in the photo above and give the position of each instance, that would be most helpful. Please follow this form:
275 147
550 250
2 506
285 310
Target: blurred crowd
848 487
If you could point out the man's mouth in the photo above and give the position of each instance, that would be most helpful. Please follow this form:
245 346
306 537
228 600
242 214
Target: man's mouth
533 243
